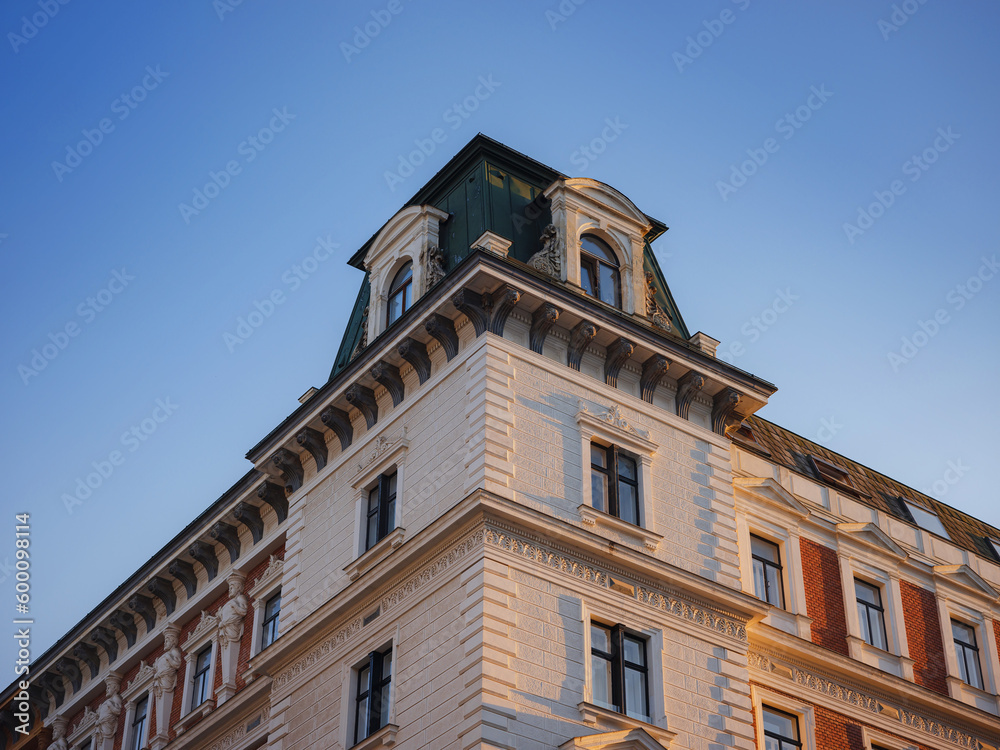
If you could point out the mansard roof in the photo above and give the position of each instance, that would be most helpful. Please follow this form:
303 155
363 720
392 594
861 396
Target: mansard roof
869 486
488 186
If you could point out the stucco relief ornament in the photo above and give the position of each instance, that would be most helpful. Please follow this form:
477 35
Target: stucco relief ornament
110 710
59 734
363 341
656 313
613 416
432 259
167 664
548 260
233 612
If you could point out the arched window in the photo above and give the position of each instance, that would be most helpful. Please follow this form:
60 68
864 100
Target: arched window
599 275
400 294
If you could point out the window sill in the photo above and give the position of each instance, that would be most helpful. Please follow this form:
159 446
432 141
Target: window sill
900 666
789 622
973 696
195 715
384 737
594 714
382 549
593 517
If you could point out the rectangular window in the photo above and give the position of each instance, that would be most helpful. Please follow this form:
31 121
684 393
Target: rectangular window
767 583
871 614
619 670
199 681
269 628
994 546
967 654
138 733
381 509
614 483
781 730
374 694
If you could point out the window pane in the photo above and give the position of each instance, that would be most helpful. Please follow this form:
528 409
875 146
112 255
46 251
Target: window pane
781 724
635 694
272 607
599 456
372 536
925 519
601 679
599 490
963 633
975 677
759 586
390 515
764 549
373 500
587 280
867 593
600 638
628 503
626 467
597 248
775 595
392 484
877 628
635 651
609 285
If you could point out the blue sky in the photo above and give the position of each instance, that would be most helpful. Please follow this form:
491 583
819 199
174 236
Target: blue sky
754 131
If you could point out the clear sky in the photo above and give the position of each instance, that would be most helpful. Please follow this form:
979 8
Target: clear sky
754 131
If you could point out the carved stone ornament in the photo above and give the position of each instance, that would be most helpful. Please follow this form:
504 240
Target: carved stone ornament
613 416
432 260
274 567
166 665
381 445
110 710
363 341
233 611
206 623
548 260
59 734
659 317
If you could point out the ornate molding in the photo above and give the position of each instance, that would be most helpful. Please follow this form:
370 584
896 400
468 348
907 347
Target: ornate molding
432 260
146 672
249 516
548 260
69 669
362 398
502 302
273 495
659 317
443 330
286 465
616 355
339 421
687 388
204 553
474 306
380 446
207 623
183 571
163 590
105 638
387 376
544 317
142 605
579 338
613 416
89 656
314 442
723 409
697 615
653 370
415 352
125 622
229 536
233 736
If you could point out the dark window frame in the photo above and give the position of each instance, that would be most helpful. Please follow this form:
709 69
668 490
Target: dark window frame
594 263
765 565
965 650
380 515
869 609
613 455
200 677
372 692
784 743
269 623
400 287
619 665
137 731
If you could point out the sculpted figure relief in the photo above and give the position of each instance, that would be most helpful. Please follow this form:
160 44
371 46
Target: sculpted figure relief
656 313
432 260
110 710
233 612
167 663
548 260
59 734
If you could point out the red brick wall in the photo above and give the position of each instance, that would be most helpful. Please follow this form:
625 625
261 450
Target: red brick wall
824 595
923 634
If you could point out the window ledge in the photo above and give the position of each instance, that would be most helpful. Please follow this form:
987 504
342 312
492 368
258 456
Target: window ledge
973 696
382 549
789 622
384 737
593 517
195 715
592 714
873 656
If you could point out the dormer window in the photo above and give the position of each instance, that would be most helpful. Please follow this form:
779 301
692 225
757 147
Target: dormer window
400 294
926 519
599 275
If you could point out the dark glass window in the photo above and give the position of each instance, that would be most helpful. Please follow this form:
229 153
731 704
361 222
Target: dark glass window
619 672
85 745
400 294
599 274
269 628
374 695
138 733
967 653
767 571
614 482
381 509
871 614
781 730
199 681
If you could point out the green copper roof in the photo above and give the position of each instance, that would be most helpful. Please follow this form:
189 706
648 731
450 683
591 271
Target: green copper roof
489 187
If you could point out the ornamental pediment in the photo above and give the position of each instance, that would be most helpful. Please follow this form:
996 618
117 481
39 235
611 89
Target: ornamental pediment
765 489
870 535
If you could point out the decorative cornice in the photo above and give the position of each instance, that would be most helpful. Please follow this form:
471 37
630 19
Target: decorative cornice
339 421
415 352
249 516
145 674
183 571
233 736
314 442
653 369
387 375
380 446
229 536
285 464
204 552
687 388
723 408
443 330
611 416
544 317
580 337
273 495
616 355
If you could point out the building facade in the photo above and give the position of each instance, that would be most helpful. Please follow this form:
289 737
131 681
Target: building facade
530 509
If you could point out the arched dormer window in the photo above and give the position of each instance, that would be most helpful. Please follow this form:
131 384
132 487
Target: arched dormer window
599 275
400 294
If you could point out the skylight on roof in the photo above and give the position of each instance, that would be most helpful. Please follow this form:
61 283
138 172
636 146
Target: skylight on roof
926 519
995 546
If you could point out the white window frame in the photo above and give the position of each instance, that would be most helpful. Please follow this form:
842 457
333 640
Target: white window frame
896 658
266 586
801 710
206 633
593 711
606 427
874 737
386 735
127 738
384 455
982 624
